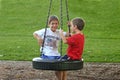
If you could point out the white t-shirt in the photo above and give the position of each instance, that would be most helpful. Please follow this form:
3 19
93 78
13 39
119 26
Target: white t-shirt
51 42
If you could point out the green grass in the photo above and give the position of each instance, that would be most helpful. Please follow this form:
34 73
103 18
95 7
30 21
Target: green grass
20 18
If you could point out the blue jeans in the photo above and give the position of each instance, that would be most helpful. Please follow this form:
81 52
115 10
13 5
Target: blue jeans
50 57
65 57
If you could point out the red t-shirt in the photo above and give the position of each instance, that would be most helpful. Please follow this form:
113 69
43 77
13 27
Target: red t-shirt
75 46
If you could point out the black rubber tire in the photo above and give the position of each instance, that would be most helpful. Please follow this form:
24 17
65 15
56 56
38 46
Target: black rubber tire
56 65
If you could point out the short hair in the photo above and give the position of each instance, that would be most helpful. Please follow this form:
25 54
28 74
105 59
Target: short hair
79 23
53 17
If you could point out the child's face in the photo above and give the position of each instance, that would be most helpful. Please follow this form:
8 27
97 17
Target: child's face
72 27
53 25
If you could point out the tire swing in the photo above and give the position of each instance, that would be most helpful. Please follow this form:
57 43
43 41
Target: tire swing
57 65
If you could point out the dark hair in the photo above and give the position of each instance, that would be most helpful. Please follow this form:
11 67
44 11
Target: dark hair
51 18
79 23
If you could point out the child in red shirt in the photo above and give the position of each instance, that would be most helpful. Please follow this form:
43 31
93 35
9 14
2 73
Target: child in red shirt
76 40
75 44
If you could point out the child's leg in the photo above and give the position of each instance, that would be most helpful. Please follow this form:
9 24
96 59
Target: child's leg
64 77
59 75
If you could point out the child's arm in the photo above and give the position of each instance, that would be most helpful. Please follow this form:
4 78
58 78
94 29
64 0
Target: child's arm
38 38
63 37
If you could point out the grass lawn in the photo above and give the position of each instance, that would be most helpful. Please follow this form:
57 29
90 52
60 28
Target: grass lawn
20 18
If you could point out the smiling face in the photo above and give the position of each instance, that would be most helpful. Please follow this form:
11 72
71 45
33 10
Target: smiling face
53 25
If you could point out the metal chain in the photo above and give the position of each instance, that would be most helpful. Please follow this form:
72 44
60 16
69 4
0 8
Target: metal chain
61 18
61 24
67 14
49 10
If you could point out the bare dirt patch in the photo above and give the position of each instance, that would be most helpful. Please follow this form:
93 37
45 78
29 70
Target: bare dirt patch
22 70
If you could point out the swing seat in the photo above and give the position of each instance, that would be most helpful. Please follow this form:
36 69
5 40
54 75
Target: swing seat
57 65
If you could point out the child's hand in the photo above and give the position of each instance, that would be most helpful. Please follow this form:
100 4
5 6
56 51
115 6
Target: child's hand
61 32
68 23
40 41
62 36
